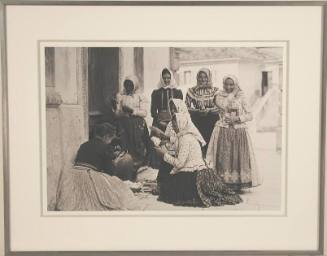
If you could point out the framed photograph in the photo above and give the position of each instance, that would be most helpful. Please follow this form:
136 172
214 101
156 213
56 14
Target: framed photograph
152 127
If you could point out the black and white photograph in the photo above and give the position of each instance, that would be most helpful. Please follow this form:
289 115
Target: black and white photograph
169 128
201 125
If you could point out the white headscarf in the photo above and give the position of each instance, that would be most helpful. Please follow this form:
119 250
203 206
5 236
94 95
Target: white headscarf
172 83
231 77
180 106
208 73
134 79
186 126
237 90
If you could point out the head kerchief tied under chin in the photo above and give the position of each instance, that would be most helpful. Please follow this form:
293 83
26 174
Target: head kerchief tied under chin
179 105
172 83
134 79
186 126
208 74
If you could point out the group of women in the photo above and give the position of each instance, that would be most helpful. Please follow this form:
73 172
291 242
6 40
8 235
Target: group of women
200 146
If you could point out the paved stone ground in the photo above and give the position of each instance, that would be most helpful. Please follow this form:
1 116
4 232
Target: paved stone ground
265 197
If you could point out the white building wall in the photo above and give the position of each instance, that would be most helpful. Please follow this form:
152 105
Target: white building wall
250 77
222 69
274 68
126 64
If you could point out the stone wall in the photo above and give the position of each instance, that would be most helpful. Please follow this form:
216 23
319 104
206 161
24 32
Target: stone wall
67 119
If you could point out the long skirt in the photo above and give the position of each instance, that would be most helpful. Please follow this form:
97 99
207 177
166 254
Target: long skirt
231 154
83 189
164 170
205 125
135 138
202 188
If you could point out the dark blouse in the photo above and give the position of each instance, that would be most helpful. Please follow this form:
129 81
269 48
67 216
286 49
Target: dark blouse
97 155
160 100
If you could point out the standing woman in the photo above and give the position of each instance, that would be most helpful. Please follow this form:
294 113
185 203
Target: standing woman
131 111
200 103
160 99
230 150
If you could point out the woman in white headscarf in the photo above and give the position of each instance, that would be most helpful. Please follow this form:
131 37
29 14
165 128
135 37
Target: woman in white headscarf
175 106
230 150
190 182
160 98
131 111
200 103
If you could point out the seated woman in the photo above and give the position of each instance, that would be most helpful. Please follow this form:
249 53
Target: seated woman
190 182
131 111
175 106
160 98
87 186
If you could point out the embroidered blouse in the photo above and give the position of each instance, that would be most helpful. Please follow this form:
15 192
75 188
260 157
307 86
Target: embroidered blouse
230 105
200 98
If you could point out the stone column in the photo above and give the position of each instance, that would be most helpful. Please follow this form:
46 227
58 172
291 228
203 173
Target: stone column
174 63
53 120
139 65
126 64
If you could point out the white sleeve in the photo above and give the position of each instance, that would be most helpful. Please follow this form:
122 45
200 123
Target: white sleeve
183 152
141 111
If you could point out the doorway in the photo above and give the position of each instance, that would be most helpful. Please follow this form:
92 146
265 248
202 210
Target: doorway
103 84
266 82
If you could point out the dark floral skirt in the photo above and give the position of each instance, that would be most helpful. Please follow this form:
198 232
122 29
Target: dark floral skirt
203 188
212 190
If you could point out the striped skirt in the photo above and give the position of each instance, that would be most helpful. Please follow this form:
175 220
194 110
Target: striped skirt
83 189
231 154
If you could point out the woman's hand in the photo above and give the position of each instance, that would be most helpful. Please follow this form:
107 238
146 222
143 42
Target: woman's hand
232 119
157 132
173 171
236 90
193 110
163 142
214 111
